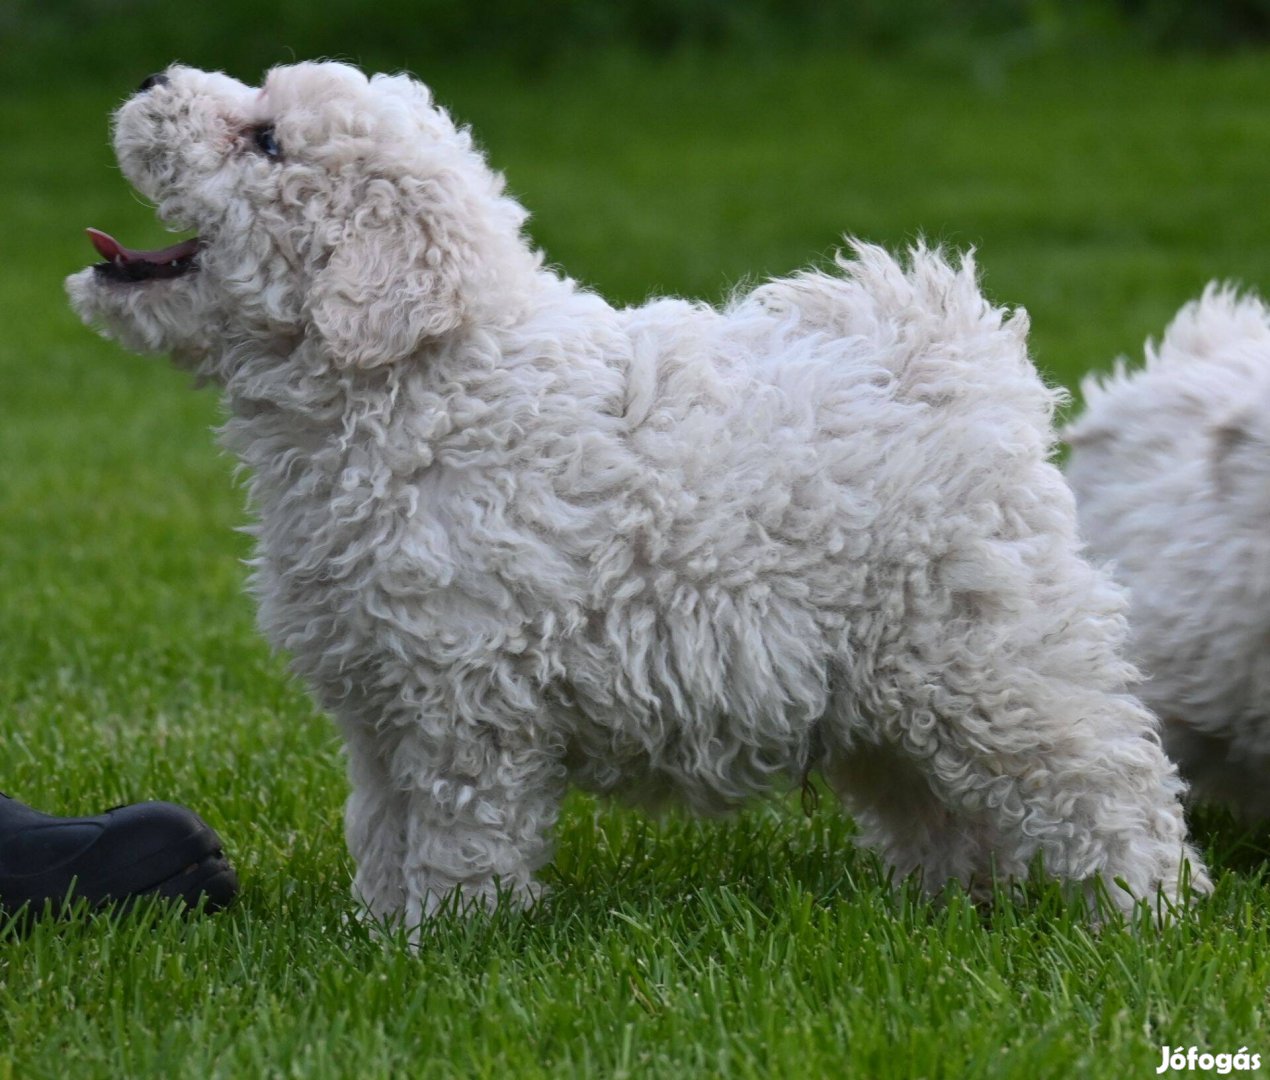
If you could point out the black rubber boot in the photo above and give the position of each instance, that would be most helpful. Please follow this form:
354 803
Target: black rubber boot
147 849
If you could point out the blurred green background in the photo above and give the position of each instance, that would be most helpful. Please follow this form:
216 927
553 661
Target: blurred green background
537 36
1106 158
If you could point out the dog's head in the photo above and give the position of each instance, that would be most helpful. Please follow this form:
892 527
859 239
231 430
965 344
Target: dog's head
345 213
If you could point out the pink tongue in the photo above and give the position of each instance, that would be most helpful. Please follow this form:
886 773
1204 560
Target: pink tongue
112 251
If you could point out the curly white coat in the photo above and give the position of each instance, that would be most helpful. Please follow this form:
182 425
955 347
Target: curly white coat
515 538
1171 466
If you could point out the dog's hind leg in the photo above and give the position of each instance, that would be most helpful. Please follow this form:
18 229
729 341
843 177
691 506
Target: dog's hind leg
1001 749
901 817
970 798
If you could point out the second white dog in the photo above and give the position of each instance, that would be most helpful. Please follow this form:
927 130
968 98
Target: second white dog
1171 467
515 538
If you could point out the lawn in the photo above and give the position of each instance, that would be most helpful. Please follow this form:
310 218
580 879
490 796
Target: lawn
1101 192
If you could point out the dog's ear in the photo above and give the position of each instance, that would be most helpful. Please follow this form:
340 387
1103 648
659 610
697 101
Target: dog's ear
397 275
1239 460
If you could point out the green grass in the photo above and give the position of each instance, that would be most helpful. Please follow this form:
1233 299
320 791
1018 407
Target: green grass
1101 193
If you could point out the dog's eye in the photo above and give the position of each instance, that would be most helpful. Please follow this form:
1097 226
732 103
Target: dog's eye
266 141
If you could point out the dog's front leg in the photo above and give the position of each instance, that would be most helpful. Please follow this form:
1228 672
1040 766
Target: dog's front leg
479 815
375 819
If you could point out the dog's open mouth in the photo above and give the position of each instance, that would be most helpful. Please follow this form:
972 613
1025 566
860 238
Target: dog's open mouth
125 264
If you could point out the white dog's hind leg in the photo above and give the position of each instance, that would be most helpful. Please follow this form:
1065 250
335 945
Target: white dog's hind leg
971 805
901 818
986 765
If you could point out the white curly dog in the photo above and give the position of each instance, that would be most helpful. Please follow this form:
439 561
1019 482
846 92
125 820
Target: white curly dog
515 538
1171 466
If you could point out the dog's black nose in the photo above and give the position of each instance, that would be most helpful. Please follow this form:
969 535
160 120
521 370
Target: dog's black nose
152 81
